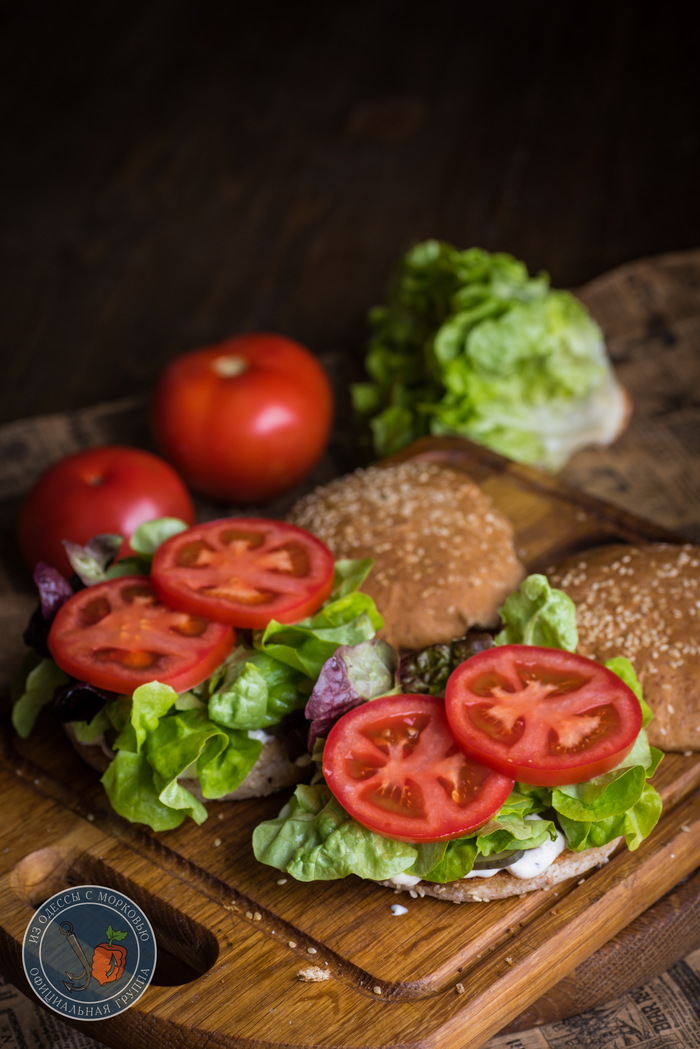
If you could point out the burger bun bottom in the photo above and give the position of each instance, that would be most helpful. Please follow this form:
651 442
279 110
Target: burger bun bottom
272 772
502 885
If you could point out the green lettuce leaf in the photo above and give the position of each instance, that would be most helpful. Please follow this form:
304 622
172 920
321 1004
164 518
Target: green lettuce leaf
41 679
617 803
508 829
624 670
107 723
469 343
306 645
258 687
149 704
314 839
133 793
149 535
144 780
220 757
144 542
256 691
538 614
94 562
353 675
634 824
349 575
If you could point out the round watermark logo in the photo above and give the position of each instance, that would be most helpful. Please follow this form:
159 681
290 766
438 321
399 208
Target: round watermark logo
89 952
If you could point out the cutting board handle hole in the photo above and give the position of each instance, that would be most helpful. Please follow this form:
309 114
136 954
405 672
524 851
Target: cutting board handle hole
185 949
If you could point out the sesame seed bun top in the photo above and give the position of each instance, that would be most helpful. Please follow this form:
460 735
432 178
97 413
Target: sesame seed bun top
643 602
443 555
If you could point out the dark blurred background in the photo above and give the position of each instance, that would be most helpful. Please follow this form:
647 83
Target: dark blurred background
174 172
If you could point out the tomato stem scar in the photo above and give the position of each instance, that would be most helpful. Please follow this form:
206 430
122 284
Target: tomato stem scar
230 366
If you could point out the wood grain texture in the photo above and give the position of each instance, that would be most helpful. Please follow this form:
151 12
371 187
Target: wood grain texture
239 938
176 172
648 946
235 935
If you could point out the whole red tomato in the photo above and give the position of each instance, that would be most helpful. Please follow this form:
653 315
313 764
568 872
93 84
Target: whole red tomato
246 419
111 489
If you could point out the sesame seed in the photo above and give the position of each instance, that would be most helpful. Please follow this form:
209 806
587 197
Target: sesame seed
417 520
643 603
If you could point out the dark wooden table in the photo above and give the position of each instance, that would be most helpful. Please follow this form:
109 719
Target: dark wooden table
174 172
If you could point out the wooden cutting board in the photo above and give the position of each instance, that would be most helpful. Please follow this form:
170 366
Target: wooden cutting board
234 937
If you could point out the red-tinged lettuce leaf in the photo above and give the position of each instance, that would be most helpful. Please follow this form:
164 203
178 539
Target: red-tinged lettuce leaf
79 701
54 589
91 560
427 669
353 675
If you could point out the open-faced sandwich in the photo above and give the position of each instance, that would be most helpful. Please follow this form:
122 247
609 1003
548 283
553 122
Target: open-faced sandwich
491 766
480 754
182 673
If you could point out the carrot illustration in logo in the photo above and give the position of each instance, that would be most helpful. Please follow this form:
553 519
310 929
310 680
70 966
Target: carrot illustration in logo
109 959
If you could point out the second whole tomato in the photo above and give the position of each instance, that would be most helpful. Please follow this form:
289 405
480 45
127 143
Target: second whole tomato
111 489
244 420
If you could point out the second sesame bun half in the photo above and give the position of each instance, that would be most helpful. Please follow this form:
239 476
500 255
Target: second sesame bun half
643 602
444 557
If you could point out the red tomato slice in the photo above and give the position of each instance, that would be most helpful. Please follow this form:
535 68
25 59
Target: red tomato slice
394 765
117 635
543 715
244 571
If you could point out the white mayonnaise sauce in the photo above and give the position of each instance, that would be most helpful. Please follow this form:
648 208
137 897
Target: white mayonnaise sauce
404 881
261 734
532 862
397 908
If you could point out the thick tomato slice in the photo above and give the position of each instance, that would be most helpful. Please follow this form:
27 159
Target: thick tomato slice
117 635
542 715
244 571
394 765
